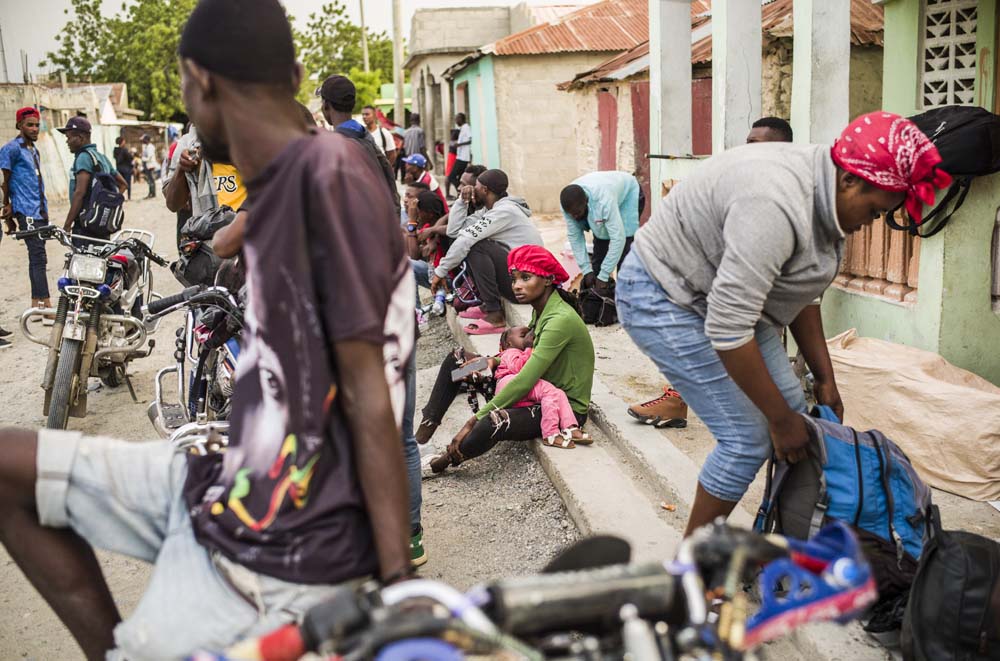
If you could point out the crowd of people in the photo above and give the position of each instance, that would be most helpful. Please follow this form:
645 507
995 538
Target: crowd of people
320 482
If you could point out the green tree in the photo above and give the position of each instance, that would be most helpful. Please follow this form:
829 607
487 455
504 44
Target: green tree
331 43
137 46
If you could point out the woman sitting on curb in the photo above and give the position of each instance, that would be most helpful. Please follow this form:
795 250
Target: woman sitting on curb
741 248
563 355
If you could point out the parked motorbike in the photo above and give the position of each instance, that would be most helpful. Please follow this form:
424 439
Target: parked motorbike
590 604
98 326
206 350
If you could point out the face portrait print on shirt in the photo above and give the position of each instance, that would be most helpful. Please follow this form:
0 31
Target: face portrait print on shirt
279 453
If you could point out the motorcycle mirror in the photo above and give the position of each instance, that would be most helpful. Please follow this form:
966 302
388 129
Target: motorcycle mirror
590 552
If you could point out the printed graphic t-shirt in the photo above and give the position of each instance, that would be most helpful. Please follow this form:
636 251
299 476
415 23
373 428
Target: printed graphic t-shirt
228 186
284 498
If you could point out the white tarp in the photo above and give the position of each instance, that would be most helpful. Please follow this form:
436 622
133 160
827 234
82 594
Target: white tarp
946 419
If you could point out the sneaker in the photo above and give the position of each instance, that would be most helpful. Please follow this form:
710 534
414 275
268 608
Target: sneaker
667 410
829 579
4 332
4 344
418 555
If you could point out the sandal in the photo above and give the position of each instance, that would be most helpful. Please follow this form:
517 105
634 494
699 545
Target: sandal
472 313
483 327
559 441
583 439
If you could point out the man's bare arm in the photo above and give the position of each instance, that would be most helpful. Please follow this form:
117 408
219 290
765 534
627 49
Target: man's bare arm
228 241
378 451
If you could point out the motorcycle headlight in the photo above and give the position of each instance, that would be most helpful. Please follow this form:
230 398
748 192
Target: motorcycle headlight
84 268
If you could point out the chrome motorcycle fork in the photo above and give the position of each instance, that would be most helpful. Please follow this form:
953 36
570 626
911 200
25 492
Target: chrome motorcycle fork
90 341
55 342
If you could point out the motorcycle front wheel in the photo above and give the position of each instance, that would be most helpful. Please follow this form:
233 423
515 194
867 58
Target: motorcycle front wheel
62 389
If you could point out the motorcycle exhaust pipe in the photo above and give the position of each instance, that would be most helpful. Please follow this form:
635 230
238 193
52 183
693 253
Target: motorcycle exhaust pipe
55 341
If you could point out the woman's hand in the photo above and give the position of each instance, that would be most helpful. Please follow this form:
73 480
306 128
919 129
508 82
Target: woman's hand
464 431
789 436
826 393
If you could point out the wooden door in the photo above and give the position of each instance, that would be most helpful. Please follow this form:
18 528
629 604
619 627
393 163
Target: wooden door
701 116
640 124
607 125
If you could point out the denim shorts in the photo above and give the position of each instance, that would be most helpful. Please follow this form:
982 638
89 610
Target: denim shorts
127 498
674 338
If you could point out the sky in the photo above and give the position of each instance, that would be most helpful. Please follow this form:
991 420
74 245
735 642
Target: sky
33 26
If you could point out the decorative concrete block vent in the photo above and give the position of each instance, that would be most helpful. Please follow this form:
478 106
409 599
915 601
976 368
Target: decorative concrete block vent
948 53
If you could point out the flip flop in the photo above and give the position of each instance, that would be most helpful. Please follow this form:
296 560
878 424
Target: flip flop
472 313
559 441
483 327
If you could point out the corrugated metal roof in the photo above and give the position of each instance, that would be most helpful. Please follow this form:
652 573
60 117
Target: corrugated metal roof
549 13
776 21
606 26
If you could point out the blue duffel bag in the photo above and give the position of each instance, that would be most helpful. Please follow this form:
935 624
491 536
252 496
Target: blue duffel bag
860 478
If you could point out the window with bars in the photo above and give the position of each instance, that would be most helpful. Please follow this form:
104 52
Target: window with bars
948 53
881 262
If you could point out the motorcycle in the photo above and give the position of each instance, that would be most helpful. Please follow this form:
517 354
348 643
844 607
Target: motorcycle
590 604
205 353
98 326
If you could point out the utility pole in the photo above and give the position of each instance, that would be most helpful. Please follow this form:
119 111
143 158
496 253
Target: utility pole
364 35
3 57
397 61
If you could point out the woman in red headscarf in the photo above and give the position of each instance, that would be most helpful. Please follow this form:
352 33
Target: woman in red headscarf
563 355
743 247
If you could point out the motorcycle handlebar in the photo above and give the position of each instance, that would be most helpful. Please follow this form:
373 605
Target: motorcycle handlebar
158 306
27 234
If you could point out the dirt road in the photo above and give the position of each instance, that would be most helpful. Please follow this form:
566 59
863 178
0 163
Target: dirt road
493 517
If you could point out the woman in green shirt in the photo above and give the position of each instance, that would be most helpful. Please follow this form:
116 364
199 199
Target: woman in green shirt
563 355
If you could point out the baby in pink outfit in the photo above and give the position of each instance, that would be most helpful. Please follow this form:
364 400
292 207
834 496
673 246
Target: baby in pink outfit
559 425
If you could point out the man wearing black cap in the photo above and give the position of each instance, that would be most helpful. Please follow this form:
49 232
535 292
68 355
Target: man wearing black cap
311 491
87 160
505 224
339 95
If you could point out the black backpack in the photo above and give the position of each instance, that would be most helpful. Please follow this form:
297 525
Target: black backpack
102 212
968 139
953 612
598 309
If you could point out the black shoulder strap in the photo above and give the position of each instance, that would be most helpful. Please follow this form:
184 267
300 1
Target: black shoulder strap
959 190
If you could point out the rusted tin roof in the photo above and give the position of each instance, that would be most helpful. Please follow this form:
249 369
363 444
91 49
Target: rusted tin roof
605 26
776 21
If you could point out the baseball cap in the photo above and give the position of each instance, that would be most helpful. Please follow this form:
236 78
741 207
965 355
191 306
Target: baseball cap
76 124
28 111
416 159
339 92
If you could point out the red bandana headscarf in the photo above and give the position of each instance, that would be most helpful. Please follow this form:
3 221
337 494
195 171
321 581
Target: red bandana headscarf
26 112
537 260
891 153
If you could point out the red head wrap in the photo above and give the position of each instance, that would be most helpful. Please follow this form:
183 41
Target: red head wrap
26 112
891 153
537 260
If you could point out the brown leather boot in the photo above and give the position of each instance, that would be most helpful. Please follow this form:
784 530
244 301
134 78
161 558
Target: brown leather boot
667 410
452 457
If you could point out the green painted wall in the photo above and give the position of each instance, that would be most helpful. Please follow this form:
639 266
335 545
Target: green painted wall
953 315
482 110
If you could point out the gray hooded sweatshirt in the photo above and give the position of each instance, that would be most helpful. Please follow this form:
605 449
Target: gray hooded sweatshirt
508 222
751 235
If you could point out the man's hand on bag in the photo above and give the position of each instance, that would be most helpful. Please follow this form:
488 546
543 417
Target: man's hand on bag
790 436
7 211
602 286
589 280
826 393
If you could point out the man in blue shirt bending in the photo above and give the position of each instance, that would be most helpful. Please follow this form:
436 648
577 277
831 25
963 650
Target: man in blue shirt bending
24 193
608 204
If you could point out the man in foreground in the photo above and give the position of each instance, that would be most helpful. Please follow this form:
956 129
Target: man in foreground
311 491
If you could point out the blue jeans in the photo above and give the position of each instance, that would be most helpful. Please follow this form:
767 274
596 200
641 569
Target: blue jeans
674 338
37 259
410 448
422 272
